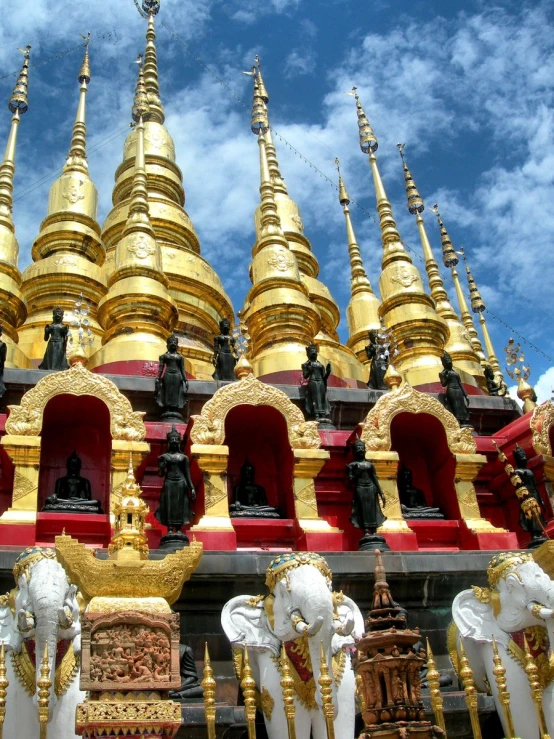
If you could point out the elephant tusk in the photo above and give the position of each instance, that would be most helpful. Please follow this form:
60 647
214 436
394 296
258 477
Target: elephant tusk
346 627
540 611
301 627
65 618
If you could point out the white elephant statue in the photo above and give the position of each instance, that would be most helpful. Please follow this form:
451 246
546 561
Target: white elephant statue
42 610
301 612
519 601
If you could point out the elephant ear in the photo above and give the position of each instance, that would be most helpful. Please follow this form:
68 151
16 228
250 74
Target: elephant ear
245 623
9 635
473 615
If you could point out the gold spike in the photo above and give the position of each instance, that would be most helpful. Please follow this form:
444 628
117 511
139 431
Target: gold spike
287 687
415 201
368 140
44 683
151 78
466 675
433 676
499 672
208 686
325 681
18 101
532 672
140 102
84 72
248 685
77 157
261 86
259 122
4 683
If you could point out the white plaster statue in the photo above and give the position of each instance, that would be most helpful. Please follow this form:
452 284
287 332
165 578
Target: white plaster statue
301 612
43 609
520 600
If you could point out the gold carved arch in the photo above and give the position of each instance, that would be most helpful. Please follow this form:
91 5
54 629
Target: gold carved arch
376 428
26 418
541 421
209 426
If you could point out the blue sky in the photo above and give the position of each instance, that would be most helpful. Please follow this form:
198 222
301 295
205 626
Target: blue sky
468 87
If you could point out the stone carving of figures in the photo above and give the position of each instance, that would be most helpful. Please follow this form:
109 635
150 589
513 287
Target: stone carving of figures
531 525
3 354
317 375
55 334
174 510
224 353
171 384
457 401
366 509
378 353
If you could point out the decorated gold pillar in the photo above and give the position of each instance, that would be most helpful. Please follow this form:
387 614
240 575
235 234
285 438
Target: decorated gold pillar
24 452
216 522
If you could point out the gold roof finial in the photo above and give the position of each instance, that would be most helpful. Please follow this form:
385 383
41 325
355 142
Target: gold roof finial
415 201
261 86
77 157
344 198
368 140
18 101
84 72
151 77
139 192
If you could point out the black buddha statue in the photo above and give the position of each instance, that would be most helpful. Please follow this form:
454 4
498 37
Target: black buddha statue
72 493
190 689
56 334
495 389
224 353
536 524
378 353
171 384
316 403
412 499
456 398
250 498
366 510
174 510
3 354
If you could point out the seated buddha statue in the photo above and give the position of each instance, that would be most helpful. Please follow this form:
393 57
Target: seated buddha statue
190 689
412 499
72 493
250 498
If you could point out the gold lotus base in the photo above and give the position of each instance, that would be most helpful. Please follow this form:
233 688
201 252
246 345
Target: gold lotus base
134 718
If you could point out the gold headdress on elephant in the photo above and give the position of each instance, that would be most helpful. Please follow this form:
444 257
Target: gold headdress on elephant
281 565
500 566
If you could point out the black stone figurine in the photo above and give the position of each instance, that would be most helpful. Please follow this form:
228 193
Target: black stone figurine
412 499
224 357
250 498
72 493
492 386
457 401
531 525
3 354
366 510
378 354
56 334
190 690
316 403
172 384
174 510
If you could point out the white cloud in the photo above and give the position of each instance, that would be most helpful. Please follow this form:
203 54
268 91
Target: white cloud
544 386
300 62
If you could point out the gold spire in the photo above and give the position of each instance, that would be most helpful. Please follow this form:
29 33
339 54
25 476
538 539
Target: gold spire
450 259
77 158
478 306
458 345
362 312
156 112
419 333
129 542
12 306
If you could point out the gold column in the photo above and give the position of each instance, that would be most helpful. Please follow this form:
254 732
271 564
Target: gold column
458 345
386 469
307 465
12 306
362 312
419 333
467 469
212 460
24 451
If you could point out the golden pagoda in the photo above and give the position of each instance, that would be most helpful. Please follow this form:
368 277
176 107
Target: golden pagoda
193 284
362 311
459 344
419 332
68 253
343 361
12 306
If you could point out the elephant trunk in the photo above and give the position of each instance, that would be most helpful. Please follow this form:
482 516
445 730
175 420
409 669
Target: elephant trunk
319 611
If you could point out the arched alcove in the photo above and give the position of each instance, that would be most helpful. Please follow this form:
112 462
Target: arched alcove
82 424
421 444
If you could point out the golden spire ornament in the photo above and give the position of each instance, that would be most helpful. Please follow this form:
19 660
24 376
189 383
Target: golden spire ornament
4 684
362 312
466 676
44 683
287 687
433 676
515 358
419 332
208 686
458 345
499 672
77 158
151 79
248 686
532 672
325 681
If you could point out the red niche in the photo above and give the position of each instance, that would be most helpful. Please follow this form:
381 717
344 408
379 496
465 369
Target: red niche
6 481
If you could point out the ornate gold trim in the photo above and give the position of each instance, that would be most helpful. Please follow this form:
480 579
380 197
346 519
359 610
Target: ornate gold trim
65 674
209 426
376 428
25 419
267 703
540 423
212 494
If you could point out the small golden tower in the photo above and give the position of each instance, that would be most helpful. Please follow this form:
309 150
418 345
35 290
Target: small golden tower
280 317
193 284
458 345
12 306
129 541
450 260
420 334
68 253
138 313
362 312
344 363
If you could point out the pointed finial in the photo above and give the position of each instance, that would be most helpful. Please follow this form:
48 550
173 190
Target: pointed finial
18 101
477 303
140 102
151 81
368 140
382 597
415 202
449 257
259 123
344 198
84 72
208 686
433 677
392 378
261 86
